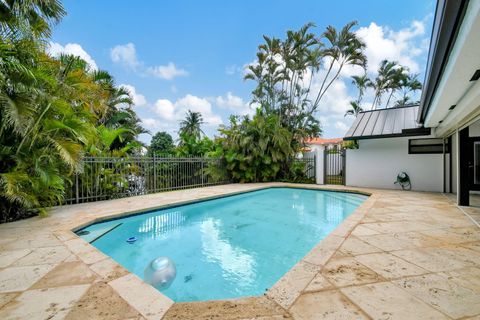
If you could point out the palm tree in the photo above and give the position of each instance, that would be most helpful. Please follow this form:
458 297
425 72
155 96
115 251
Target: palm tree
408 84
383 81
404 101
355 109
32 18
396 82
345 49
190 126
362 83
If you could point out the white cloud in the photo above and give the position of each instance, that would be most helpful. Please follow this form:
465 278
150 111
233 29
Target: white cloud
403 46
230 70
55 49
126 55
341 126
234 69
175 111
138 99
235 104
230 101
150 123
167 72
165 109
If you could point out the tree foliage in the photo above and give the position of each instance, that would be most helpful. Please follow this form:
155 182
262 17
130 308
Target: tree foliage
191 125
161 144
285 70
52 111
255 149
391 79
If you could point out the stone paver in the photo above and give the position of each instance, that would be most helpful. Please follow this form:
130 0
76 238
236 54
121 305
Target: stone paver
400 255
389 266
348 271
9 257
387 301
102 302
54 303
21 278
326 305
443 295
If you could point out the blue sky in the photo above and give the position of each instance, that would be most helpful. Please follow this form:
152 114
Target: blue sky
180 55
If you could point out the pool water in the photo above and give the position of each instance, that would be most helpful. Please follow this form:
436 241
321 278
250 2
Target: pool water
228 247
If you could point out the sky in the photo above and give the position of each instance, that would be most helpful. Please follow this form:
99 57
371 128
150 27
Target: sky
175 56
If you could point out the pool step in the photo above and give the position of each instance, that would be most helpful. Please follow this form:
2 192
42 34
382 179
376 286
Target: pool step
94 235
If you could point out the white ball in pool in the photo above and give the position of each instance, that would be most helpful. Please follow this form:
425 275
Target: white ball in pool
160 273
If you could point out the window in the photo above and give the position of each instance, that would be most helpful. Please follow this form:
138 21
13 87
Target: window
427 146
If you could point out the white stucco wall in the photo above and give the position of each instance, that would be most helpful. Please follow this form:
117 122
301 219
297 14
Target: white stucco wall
378 161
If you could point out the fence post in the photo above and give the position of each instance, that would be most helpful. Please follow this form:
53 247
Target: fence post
203 173
76 188
319 166
154 173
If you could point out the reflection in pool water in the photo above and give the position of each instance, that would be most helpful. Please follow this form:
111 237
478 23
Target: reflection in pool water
228 247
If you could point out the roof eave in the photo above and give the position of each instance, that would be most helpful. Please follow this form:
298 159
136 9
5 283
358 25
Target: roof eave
405 133
448 18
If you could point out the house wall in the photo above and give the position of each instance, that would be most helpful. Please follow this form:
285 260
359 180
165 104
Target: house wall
315 147
377 163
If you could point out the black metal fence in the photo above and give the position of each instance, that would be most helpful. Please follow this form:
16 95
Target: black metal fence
334 166
105 178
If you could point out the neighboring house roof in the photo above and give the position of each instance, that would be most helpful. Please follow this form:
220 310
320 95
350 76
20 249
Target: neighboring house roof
322 141
386 123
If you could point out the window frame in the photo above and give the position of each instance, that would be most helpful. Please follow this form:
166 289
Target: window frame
411 147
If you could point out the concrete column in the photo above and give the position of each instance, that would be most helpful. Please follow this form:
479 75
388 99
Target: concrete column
319 159
463 183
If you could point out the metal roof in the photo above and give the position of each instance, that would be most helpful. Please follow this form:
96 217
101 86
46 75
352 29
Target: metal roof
386 123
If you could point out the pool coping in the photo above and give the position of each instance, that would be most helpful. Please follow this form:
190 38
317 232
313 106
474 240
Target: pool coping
287 289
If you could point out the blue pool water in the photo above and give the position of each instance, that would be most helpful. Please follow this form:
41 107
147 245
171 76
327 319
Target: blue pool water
229 247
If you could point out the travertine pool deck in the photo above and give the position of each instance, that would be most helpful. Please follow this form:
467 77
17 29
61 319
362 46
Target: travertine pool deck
400 255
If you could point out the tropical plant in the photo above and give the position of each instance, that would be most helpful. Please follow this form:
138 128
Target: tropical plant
390 79
255 149
161 144
409 84
381 83
192 146
354 110
285 69
51 111
344 48
362 83
191 125
29 19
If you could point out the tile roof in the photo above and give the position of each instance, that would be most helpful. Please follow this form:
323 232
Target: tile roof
322 141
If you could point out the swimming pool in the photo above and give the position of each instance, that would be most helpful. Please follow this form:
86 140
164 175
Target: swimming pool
228 247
